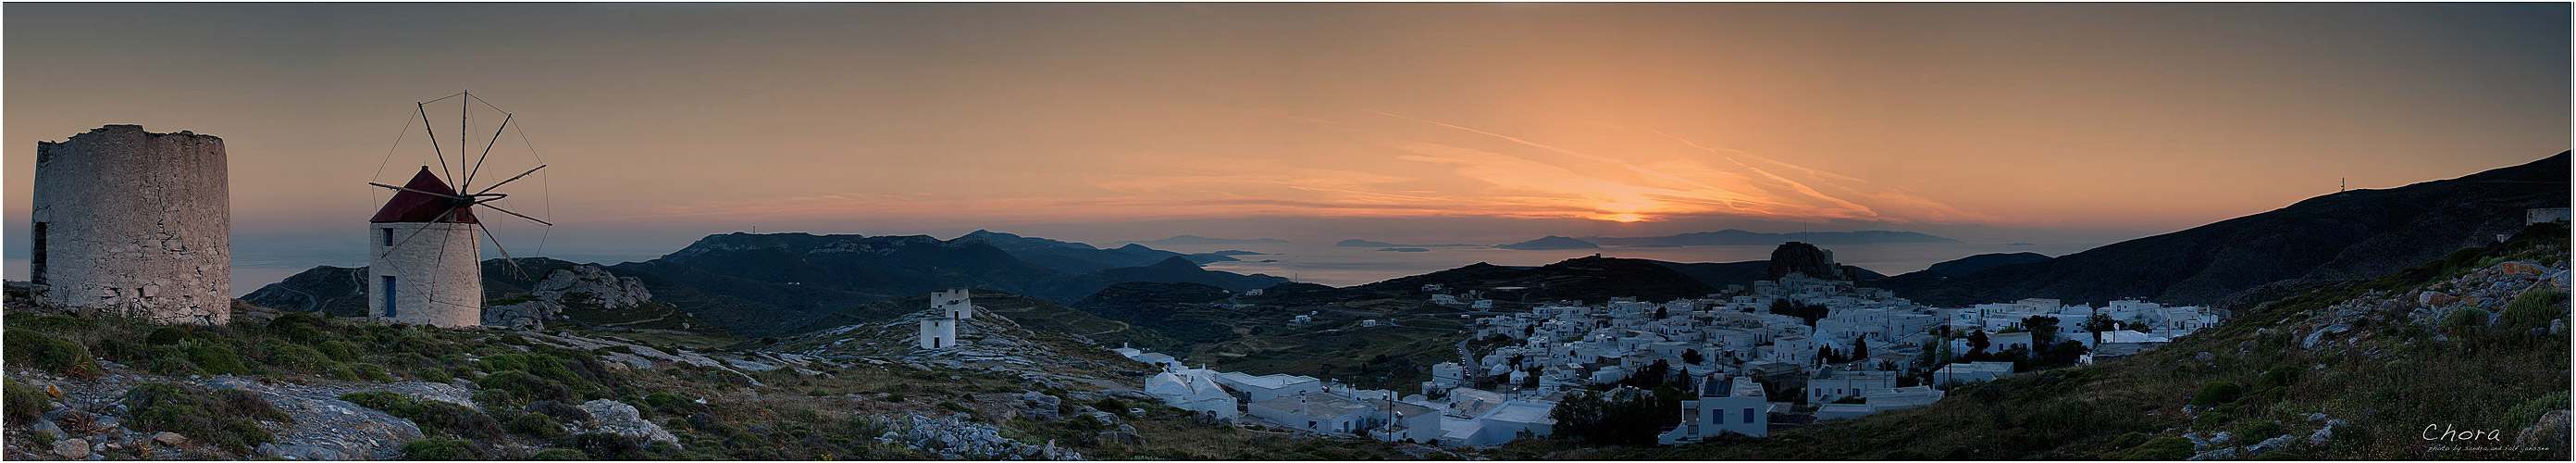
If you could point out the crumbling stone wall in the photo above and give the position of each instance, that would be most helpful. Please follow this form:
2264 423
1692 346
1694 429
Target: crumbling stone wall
134 222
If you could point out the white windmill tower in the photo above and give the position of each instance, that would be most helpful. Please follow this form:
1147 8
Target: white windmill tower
425 260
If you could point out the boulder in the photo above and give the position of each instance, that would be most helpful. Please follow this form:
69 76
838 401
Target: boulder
616 417
2268 445
604 289
2521 268
1039 406
2435 299
2213 455
527 314
75 449
2550 430
2319 335
170 439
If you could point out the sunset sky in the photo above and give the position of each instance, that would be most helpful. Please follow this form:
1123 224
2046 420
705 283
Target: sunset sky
1472 123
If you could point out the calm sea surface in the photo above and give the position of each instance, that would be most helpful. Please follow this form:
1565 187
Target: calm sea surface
1324 264
1345 266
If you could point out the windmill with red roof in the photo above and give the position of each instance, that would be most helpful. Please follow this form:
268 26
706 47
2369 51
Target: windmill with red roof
425 244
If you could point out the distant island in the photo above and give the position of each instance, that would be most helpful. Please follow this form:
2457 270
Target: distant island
1406 250
1359 243
1734 237
1551 242
1195 239
1237 252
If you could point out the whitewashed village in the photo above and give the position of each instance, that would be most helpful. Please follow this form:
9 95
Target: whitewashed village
1751 363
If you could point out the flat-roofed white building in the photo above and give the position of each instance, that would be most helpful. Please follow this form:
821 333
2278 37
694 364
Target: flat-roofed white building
1734 405
1266 387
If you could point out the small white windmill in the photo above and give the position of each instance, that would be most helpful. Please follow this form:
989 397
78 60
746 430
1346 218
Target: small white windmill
425 258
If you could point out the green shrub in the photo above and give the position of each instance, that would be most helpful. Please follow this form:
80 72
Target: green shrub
2535 309
301 327
214 358
606 446
166 335
432 374
554 369
2161 448
2212 421
2131 439
2465 320
25 403
43 440
2217 392
228 418
557 455
439 449
338 350
660 398
429 414
1111 405
534 424
282 353
526 386
30 348
2280 376
559 410
2260 430
2279 455
2521 416
371 372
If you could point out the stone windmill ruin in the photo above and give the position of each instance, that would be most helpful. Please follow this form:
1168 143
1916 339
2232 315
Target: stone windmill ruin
425 255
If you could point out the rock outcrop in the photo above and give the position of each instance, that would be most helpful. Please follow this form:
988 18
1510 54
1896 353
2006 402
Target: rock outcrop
579 284
614 417
1803 258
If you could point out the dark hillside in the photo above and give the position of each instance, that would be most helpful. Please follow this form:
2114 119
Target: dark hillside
2342 236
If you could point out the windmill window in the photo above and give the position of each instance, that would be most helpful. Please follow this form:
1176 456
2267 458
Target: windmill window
389 236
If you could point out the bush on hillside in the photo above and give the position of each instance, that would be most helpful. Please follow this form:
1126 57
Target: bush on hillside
2161 448
534 424
228 418
213 357
2217 392
30 348
433 415
166 335
2465 320
2535 309
519 386
439 449
25 403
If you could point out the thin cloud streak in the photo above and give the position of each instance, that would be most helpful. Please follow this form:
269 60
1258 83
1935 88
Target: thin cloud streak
1426 174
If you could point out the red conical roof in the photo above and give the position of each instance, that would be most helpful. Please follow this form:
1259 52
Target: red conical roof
415 207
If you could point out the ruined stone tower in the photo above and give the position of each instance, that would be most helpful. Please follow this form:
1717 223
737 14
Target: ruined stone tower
133 222
955 302
433 273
